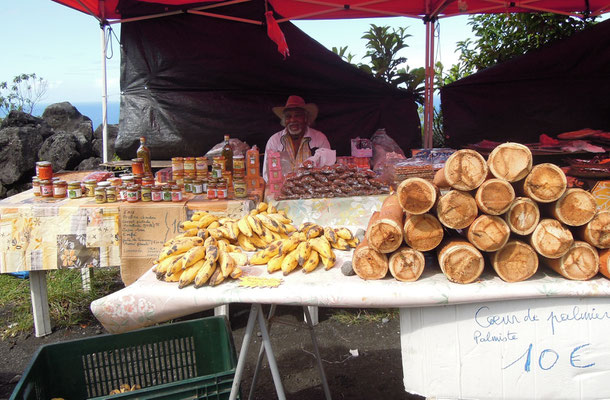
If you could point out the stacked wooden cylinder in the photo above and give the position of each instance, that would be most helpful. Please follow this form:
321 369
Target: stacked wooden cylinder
503 209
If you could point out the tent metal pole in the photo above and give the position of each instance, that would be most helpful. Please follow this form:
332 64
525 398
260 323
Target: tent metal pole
104 94
429 84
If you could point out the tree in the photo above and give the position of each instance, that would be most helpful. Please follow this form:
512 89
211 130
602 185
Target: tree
22 94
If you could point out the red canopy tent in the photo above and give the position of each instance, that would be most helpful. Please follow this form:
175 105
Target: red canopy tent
108 12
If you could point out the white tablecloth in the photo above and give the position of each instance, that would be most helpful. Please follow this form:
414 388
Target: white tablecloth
149 301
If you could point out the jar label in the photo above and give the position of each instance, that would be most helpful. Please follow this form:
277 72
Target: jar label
75 193
222 193
46 191
132 195
176 195
211 193
156 196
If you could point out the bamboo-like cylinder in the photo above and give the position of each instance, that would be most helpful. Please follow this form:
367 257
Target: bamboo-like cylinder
488 233
439 179
460 261
551 238
597 231
386 233
423 232
604 262
407 264
515 262
545 183
465 170
580 263
522 216
494 196
456 209
416 195
575 208
367 262
510 161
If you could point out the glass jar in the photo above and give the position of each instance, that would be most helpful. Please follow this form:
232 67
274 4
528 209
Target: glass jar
239 164
201 165
218 166
123 192
103 184
60 188
148 180
156 193
127 180
74 190
212 194
221 189
189 166
46 188
239 187
90 185
132 194
176 193
167 193
36 186
111 194
177 165
146 193
228 177
137 166
197 186
100 195
188 185
137 179
44 170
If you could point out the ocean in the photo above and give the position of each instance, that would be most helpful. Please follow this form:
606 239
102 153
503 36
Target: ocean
92 110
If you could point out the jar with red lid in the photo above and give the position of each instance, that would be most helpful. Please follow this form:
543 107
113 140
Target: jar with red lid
221 189
44 170
137 166
212 194
36 186
176 193
46 188
60 188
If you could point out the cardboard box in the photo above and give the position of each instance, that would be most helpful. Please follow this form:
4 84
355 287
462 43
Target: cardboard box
549 348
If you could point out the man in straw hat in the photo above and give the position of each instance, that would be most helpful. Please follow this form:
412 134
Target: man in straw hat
298 141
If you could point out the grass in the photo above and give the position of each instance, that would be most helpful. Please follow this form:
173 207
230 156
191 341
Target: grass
68 302
363 316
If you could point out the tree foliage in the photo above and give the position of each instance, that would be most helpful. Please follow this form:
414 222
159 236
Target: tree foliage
22 94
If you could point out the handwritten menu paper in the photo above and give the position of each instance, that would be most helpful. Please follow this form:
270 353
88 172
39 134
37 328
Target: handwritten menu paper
523 349
145 228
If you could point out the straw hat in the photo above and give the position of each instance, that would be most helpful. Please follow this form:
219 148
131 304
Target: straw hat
297 102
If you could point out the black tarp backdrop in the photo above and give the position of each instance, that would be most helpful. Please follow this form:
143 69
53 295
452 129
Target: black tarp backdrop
187 80
562 87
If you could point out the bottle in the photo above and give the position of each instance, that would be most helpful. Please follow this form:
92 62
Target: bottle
227 153
143 152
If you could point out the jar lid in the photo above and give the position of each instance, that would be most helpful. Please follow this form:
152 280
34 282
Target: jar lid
111 189
74 183
146 188
90 182
114 180
137 159
34 179
127 178
189 158
45 182
177 159
100 189
43 163
176 187
200 158
238 156
156 188
103 184
198 181
133 188
59 182
188 180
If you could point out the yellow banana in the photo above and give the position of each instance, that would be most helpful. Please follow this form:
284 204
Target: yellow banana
275 264
239 258
203 233
271 209
312 262
268 235
314 231
244 227
186 225
216 278
288 245
340 244
214 224
253 212
206 220
226 263
255 224
354 242
328 262
262 206
257 241
269 223
245 243
263 256
280 218
211 253
330 235
305 226
344 233
205 272
215 233
178 240
191 232
304 251
225 231
235 229
290 262
222 245
176 248
162 267
189 274
197 215
237 272
176 264
175 277
210 241
289 228
321 245
192 256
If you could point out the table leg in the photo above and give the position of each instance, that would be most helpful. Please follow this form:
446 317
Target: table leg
40 303
243 352
275 373
261 355
222 310
314 341
313 312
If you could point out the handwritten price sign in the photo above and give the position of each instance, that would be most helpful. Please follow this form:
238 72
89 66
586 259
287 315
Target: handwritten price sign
523 349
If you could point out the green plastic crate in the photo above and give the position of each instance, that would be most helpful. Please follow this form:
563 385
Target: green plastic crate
193 359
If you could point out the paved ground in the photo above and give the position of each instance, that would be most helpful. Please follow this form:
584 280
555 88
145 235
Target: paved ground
376 373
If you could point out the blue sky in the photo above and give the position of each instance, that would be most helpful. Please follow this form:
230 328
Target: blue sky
64 46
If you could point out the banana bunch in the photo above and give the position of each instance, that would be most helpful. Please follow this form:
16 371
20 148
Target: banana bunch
307 247
124 388
263 226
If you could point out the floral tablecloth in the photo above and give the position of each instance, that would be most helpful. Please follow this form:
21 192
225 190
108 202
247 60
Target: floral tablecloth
45 234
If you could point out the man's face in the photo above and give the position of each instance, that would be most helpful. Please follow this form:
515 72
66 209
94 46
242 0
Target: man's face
296 121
